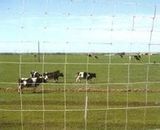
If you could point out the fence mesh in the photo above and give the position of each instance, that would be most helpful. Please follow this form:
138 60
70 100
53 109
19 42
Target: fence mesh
116 40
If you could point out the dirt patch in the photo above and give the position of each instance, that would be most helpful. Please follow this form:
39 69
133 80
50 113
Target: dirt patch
80 89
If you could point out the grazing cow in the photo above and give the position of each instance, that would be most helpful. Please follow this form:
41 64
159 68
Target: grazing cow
137 57
121 54
34 74
96 57
30 82
85 75
53 75
90 55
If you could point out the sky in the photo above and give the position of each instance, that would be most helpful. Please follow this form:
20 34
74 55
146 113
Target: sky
80 25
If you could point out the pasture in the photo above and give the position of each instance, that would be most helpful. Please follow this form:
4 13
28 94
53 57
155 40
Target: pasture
125 94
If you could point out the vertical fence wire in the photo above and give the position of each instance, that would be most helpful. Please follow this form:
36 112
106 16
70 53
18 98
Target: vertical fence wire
21 99
86 91
45 29
148 65
20 58
43 99
108 90
64 87
128 74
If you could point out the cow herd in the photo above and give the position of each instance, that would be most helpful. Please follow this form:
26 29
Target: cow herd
36 78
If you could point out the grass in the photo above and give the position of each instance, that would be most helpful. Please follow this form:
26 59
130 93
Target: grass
109 105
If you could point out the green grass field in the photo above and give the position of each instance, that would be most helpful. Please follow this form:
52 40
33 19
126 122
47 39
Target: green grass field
125 94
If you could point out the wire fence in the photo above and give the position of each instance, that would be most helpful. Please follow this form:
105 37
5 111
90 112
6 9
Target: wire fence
107 29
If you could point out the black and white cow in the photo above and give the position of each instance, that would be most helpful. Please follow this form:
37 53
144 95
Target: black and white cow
34 74
53 75
122 54
30 82
137 57
84 75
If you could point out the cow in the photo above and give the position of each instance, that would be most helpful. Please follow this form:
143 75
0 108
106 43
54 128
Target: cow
137 57
96 57
121 54
30 82
53 75
91 55
84 75
34 74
